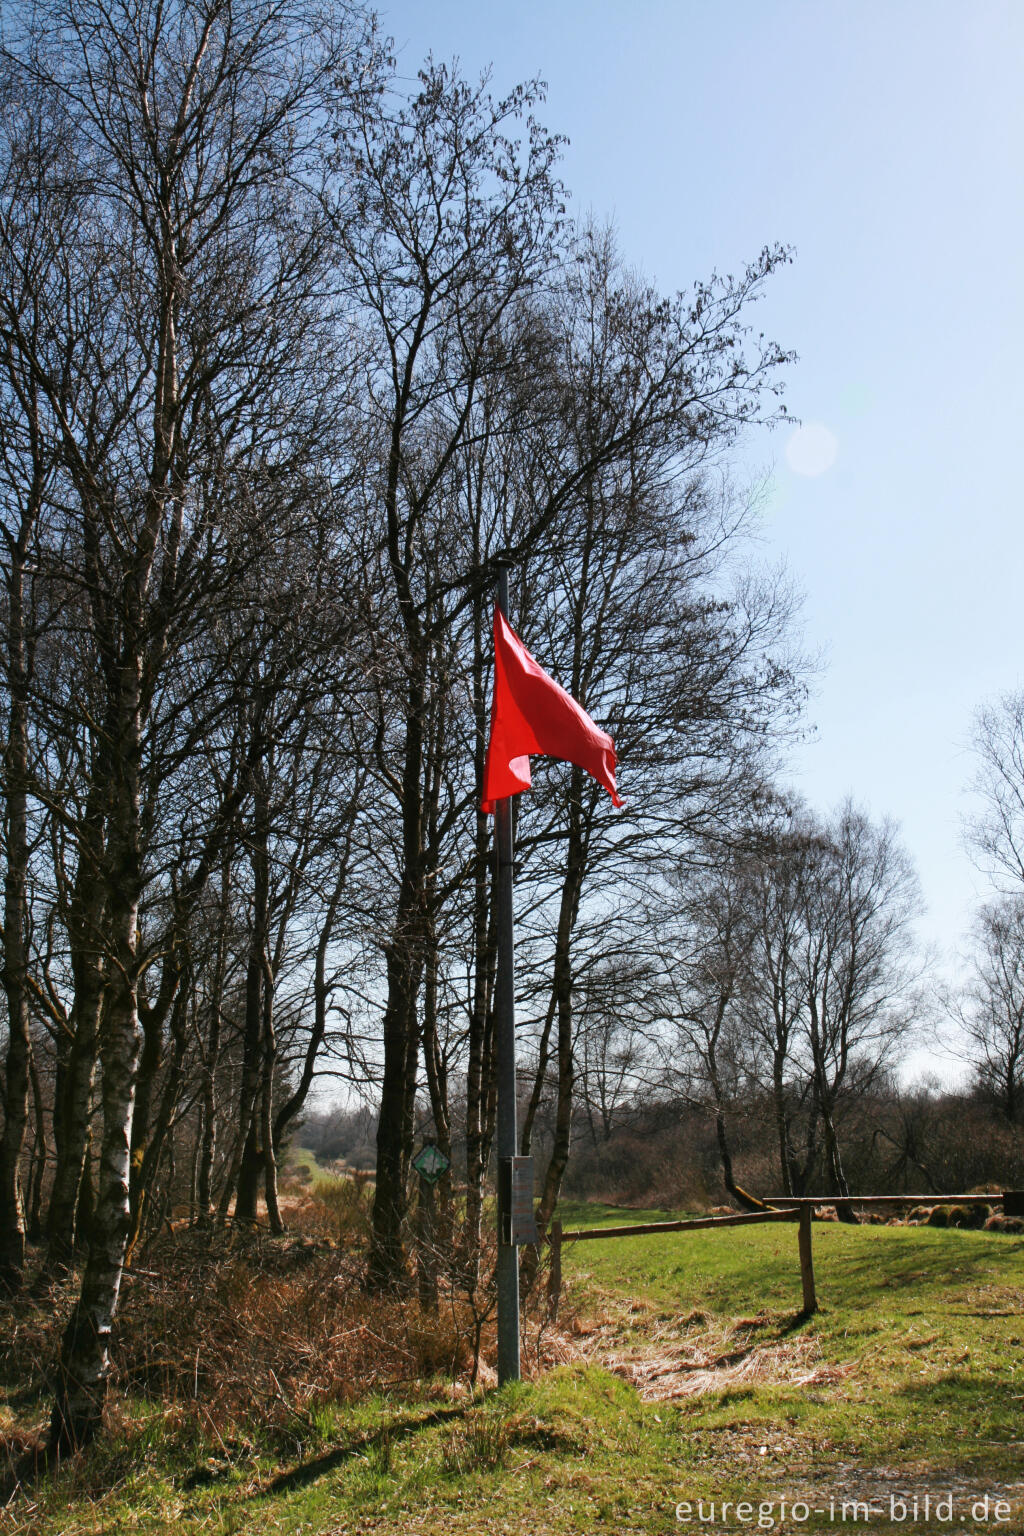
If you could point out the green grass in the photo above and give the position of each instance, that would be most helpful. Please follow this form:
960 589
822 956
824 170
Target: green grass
910 1378
302 1157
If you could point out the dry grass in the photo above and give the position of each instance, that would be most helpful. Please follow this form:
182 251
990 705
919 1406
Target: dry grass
240 1333
267 1327
247 1328
694 1355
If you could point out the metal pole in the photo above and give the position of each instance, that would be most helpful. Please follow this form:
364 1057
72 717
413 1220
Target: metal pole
807 1261
505 1030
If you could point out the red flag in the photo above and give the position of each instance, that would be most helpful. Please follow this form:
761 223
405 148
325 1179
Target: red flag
530 713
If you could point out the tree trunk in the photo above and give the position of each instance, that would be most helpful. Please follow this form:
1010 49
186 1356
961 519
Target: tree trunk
803 1173
39 1156
146 1157
15 966
267 1104
75 1118
76 1064
442 1214
85 1200
247 1163
388 1266
84 1362
207 1149
782 1126
247 1181
150 1063
83 1366
722 1135
840 1187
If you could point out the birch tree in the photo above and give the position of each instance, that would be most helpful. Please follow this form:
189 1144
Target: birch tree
181 413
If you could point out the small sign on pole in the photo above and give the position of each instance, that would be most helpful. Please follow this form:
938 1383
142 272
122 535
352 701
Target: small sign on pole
430 1163
516 1201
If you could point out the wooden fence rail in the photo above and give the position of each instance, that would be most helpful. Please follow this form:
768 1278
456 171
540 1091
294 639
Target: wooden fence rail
690 1224
1003 1197
557 1236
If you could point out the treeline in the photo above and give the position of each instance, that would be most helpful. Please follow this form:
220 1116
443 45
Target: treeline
748 1039
651 1147
924 1140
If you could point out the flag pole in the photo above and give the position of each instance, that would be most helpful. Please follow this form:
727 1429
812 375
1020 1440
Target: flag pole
505 1033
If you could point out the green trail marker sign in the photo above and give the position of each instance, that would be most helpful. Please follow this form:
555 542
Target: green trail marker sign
430 1163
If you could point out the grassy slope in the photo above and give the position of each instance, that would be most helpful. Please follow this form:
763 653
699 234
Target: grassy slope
910 1378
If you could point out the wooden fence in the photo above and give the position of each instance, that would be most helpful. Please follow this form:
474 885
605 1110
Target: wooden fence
801 1216
797 1208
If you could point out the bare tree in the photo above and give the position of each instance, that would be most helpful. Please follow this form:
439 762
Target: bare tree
859 909
995 833
831 975
707 948
616 593
992 1007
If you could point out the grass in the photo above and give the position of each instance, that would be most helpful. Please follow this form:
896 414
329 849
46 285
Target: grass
909 1380
302 1158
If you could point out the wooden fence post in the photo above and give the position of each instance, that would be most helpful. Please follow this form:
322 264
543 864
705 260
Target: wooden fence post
807 1261
555 1273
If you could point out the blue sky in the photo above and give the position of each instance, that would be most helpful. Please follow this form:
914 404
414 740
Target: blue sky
883 140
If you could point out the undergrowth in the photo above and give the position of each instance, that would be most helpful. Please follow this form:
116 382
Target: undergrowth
244 1340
